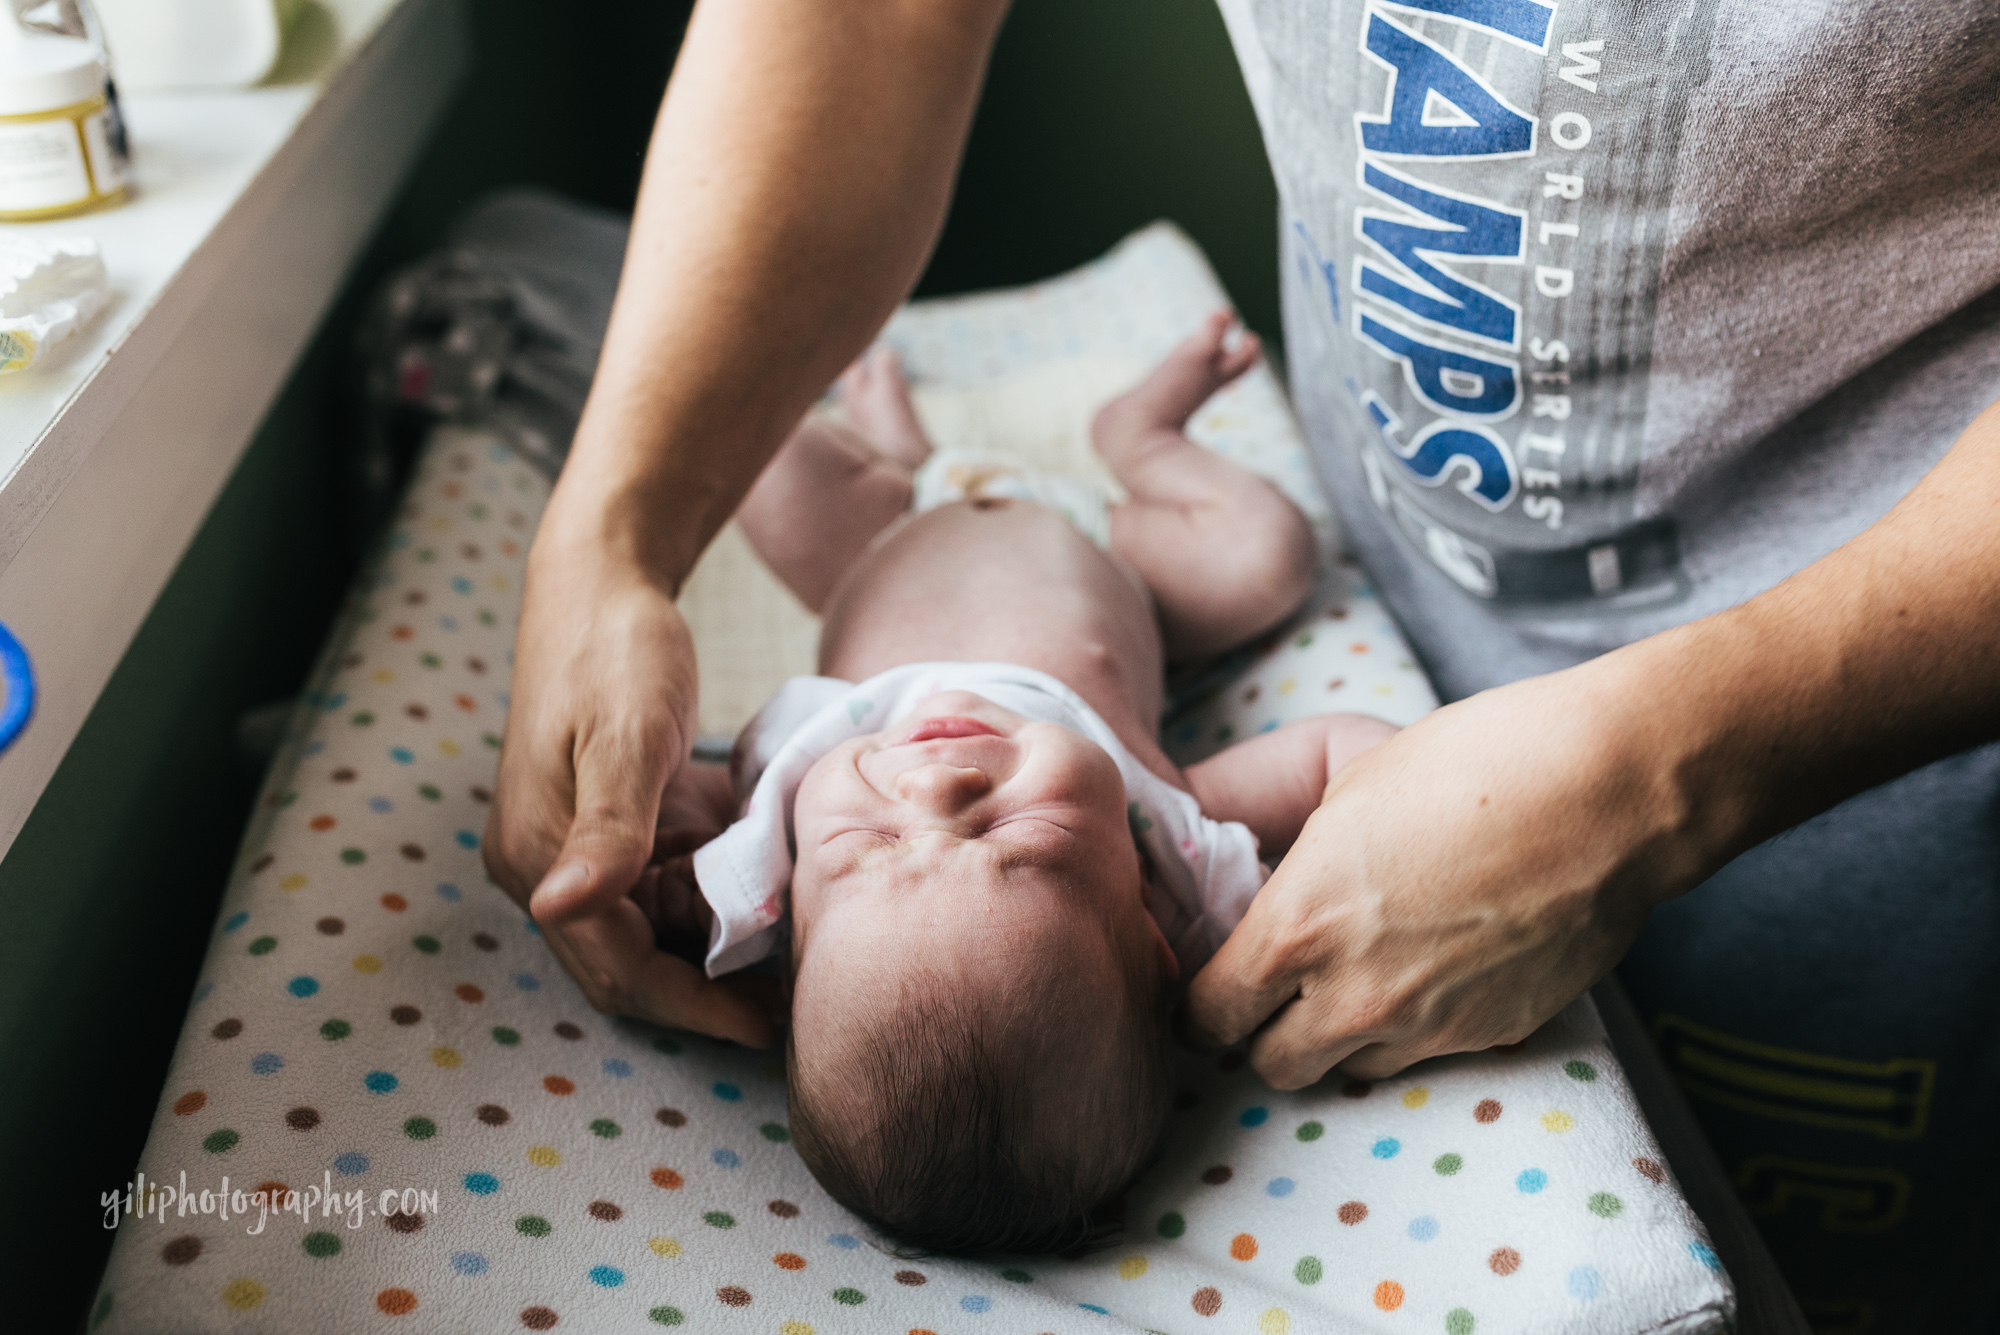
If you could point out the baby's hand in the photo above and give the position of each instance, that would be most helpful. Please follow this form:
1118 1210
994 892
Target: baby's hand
697 806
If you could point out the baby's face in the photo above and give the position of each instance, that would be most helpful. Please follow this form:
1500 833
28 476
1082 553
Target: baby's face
967 829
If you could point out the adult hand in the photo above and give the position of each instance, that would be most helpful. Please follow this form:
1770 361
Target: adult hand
601 716
1460 884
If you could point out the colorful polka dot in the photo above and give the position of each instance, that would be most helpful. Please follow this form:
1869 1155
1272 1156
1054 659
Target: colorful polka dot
1416 1098
1280 1187
469 1263
1253 1116
1132 1267
1386 1148
240 1295
663 1247
1447 1164
606 1276
1605 1205
1171 1224
976 1302
1557 1121
1458 1321
1309 1270
481 1184
1243 1247
1584 1283
1388 1295
1424 1227
302 986
1531 1180
1310 1131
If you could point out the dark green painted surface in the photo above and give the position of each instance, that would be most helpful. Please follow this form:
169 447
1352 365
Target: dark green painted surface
1099 118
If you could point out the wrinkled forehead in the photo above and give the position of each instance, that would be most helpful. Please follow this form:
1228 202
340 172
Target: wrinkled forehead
865 968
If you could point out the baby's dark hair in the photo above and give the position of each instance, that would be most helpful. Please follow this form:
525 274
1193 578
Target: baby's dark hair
954 1128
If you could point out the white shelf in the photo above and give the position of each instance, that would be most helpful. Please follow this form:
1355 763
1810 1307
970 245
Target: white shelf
249 209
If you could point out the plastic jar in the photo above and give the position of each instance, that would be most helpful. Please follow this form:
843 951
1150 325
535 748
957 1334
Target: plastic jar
55 126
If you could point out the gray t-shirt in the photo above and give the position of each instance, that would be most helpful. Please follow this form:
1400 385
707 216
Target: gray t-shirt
1607 315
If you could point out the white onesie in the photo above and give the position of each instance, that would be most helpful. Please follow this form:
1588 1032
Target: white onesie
1207 869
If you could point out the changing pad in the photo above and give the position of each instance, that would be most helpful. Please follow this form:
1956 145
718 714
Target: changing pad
376 1020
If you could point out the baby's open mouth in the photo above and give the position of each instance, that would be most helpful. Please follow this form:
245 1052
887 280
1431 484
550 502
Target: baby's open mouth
931 729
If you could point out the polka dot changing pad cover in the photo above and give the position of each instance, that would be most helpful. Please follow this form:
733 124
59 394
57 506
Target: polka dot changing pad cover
383 1046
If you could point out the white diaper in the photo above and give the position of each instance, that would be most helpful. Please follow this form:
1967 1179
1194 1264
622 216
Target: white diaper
963 475
1207 869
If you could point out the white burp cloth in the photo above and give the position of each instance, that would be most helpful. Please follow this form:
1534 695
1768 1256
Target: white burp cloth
1207 870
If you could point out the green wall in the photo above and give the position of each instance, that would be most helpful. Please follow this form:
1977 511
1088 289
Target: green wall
1098 119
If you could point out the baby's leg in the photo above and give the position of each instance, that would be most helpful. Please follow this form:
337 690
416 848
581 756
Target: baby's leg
1225 554
831 489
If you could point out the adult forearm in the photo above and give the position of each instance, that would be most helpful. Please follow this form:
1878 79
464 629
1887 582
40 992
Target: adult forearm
798 175
1880 657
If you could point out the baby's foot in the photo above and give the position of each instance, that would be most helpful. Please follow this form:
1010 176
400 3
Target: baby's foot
878 406
1198 366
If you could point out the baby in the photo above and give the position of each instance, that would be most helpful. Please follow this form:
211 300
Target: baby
996 878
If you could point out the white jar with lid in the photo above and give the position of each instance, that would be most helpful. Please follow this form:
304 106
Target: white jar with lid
56 155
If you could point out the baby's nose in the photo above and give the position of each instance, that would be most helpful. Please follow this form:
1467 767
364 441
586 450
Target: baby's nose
944 788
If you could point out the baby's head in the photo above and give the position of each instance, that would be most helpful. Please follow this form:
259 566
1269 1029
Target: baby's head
979 1052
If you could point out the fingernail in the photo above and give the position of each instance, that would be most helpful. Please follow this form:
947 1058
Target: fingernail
564 878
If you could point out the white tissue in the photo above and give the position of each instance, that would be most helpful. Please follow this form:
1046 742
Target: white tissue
47 289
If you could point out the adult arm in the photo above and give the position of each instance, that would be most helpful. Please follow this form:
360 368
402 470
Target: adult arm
797 178
1468 878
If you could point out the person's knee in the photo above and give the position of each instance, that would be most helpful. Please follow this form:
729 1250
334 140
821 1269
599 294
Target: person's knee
1277 561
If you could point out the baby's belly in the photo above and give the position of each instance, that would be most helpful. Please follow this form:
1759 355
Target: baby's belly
1002 581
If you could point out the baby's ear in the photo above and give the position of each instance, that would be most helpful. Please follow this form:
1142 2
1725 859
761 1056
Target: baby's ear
1149 893
1170 963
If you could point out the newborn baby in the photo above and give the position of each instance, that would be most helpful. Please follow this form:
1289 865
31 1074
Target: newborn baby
995 877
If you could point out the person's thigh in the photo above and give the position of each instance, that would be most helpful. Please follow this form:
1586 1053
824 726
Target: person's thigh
1831 1002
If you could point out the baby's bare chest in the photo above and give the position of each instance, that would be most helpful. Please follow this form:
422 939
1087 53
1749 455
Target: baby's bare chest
997 581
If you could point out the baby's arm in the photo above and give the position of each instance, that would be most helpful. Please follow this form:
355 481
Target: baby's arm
697 806
1275 780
